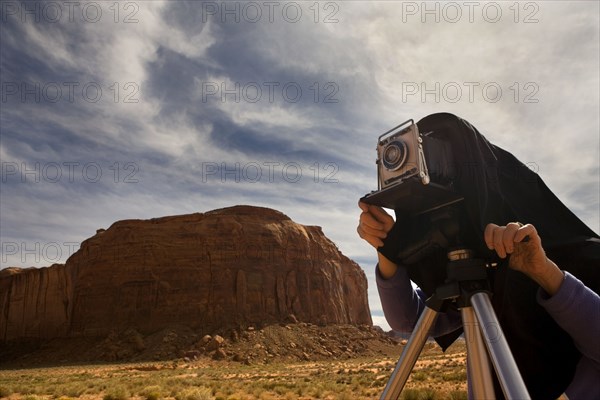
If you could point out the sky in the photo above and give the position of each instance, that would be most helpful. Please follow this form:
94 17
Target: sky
141 109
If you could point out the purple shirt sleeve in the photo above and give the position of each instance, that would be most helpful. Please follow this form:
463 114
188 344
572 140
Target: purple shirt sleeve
402 305
576 309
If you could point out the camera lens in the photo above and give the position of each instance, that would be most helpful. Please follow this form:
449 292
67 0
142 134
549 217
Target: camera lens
394 155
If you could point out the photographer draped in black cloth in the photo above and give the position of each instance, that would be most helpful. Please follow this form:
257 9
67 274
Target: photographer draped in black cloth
545 298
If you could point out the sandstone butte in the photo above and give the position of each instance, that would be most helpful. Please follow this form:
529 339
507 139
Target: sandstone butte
229 267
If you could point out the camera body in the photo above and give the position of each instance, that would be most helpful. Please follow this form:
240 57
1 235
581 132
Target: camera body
414 171
400 156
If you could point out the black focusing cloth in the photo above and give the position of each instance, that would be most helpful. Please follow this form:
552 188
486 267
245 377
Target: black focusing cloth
498 188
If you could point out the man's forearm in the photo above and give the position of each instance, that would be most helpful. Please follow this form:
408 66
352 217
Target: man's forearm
549 278
387 269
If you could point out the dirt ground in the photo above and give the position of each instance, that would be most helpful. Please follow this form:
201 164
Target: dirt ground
278 342
287 361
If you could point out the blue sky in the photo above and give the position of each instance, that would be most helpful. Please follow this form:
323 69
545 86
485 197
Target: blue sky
142 109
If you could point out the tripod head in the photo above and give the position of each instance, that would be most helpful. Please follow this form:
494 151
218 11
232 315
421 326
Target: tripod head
465 276
432 239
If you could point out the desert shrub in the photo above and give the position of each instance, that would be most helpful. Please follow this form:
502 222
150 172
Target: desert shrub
316 391
428 394
410 394
290 396
5 391
239 396
201 393
116 393
24 388
419 394
344 396
458 376
458 395
282 389
419 376
257 391
152 392
300 389
72 390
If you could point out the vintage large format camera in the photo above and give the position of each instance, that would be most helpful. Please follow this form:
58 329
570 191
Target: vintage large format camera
415 171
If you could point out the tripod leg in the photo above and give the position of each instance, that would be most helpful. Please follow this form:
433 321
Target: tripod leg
409 355
478 363
502 359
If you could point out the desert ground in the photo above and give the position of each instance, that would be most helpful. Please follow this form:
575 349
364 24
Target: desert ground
437 375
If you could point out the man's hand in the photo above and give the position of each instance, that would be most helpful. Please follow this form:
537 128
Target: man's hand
527 256
374 224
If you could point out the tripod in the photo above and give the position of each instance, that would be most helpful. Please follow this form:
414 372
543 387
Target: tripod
467 285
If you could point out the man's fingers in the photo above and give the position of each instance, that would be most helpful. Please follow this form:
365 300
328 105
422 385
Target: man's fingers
504 239
488 235
498 240
508 236
366 218
380 214
380 233
527 230
372 240
375 242
374 223
370 229
363 206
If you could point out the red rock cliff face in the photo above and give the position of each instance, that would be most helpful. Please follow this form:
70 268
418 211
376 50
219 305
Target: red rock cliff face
240 265
34 302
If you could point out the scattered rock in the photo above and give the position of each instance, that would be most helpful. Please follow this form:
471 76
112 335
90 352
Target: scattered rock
219 354
192 354
215 343
277 344
205 340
